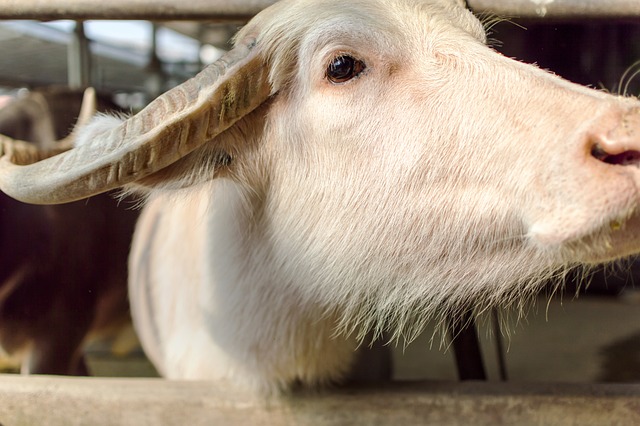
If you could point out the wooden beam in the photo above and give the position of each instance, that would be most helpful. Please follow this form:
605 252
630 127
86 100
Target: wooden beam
53 401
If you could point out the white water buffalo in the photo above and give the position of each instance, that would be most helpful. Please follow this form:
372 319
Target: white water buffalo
63 273
349 168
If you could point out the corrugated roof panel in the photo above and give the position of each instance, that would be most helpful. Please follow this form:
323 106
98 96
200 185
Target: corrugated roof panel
34 54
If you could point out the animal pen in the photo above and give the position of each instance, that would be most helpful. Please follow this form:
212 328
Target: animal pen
54 400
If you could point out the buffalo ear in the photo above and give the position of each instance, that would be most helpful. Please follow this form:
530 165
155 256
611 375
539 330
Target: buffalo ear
221 157
194 168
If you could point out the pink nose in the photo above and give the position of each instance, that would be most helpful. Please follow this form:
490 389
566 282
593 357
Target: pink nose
616 140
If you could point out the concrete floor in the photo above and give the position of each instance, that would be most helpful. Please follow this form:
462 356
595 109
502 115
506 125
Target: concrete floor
586 340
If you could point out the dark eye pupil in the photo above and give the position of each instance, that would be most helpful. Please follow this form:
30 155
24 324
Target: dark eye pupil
343 68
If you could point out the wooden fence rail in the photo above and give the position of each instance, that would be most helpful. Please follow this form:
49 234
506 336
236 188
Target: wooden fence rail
57 401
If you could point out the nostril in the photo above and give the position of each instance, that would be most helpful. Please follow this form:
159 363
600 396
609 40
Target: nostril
614 137
625 158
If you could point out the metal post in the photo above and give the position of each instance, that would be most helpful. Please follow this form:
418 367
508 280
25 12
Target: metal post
500 355
466 348
155 75
78 59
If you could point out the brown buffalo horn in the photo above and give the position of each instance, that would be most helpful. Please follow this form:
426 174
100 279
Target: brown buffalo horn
169 128
23 152
88 110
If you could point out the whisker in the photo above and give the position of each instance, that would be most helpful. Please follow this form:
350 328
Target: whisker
633 76
490 20
624 76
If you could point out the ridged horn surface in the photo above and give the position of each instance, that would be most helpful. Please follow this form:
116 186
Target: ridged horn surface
169 128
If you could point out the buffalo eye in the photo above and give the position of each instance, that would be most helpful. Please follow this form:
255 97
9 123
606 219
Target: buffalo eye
343 68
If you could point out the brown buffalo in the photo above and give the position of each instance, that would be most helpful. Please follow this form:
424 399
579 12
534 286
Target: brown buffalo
62 268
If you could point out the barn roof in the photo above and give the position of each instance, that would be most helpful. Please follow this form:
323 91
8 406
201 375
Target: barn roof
34 55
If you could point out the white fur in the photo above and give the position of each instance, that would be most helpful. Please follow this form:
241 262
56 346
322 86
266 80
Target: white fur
99 124
444 177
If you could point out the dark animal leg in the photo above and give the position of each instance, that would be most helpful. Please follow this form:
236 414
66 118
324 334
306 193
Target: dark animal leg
59 352
373 364
466 348
502 361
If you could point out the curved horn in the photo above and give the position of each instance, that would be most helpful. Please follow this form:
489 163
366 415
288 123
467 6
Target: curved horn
170 127
88 110
22 152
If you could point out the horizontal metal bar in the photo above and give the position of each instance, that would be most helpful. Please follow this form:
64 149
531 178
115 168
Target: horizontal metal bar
242 10
152 10
559 9
53 401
